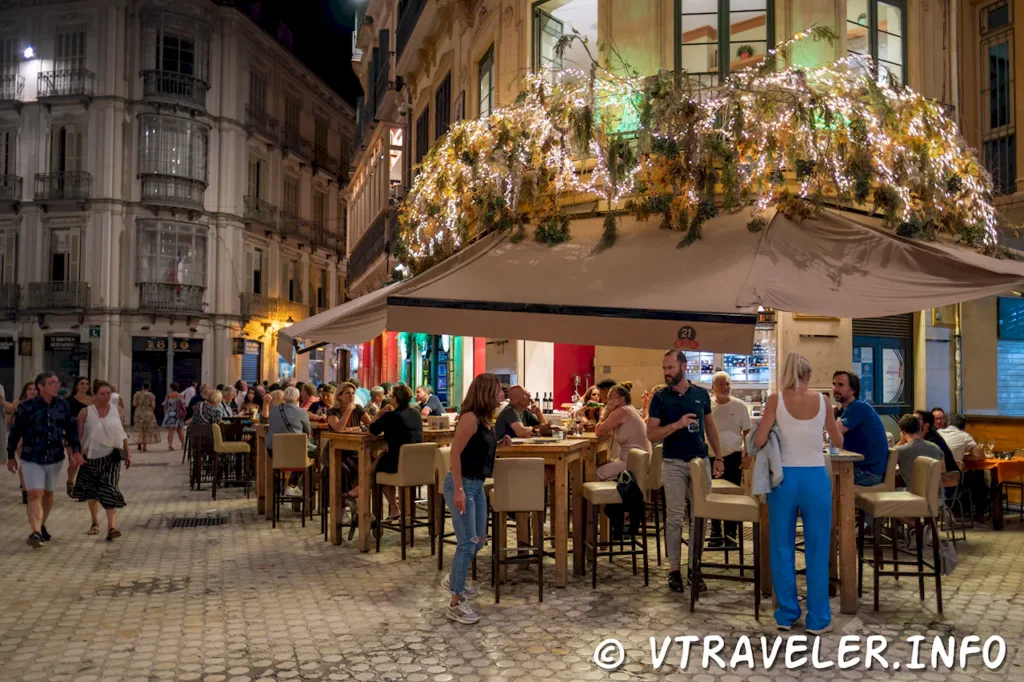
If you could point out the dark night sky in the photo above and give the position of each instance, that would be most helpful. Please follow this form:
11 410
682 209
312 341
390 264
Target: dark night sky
321 37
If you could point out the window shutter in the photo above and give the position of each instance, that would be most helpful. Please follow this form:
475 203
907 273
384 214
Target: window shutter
298 281
248 272
74 150
74 242
285 278
10 256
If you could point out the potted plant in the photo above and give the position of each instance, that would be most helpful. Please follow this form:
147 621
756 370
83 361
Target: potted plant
862 19
745 51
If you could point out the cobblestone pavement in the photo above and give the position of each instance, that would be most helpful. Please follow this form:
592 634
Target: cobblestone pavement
243 601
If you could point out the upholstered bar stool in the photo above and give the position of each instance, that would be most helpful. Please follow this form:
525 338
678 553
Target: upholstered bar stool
290 455
652 498
599 493
223 447
921 504
519 488
416 462
723 507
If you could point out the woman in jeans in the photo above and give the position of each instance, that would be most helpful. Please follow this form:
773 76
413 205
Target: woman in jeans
806 487
472 461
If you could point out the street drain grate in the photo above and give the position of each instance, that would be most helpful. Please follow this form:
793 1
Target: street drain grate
198 522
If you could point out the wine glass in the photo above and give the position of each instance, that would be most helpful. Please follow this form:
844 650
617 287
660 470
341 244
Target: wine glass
578 418
990 446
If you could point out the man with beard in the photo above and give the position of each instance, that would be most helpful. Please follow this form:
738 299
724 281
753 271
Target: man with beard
680 417
862 429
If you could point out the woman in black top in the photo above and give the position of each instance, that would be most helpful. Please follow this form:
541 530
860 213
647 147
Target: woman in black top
472 461
400 424
81 398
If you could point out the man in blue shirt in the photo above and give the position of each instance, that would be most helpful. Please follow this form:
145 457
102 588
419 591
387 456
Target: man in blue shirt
46 430
430 405
862 429
680 415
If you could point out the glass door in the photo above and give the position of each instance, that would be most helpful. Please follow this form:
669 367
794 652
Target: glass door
884 366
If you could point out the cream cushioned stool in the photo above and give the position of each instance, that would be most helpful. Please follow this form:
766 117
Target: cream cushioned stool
920 503
599 493
416 463
652 497
223 447
290 455
730 507
519 488
888 483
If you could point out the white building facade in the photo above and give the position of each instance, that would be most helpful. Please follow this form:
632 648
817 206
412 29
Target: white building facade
171 194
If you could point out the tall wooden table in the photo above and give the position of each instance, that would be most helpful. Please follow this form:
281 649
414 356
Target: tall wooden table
1000 470
844 517
262 475
566 458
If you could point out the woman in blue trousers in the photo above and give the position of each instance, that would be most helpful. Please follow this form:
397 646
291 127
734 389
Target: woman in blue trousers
806 489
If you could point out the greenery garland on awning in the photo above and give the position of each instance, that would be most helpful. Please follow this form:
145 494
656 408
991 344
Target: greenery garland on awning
662 146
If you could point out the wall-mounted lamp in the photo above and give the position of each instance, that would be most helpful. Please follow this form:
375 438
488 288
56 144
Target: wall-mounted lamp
29 53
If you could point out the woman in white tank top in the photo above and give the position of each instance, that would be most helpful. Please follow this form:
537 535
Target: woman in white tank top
98 482
801 416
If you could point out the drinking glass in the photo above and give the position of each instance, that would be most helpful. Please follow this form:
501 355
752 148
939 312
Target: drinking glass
990 446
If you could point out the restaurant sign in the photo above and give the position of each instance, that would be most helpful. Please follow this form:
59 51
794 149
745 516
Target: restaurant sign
686 338
60 342
159 344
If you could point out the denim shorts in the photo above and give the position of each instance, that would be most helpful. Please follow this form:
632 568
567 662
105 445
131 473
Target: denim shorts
41 476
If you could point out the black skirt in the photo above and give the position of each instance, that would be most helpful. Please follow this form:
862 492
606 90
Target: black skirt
99 479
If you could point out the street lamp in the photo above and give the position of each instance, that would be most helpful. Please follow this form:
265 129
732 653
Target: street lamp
29 53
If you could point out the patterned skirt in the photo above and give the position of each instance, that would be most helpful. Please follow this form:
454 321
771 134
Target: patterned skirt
99 480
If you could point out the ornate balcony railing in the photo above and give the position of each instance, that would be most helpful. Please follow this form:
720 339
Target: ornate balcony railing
294 142
321 238
261 306
372 244
10 296
10 187
12 87
325 161
294 226
259 211
67 83
292 309
174 87
173 190
63 186
259 121
60 295
171 298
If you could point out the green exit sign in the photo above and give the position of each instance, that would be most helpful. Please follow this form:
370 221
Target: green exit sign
94 331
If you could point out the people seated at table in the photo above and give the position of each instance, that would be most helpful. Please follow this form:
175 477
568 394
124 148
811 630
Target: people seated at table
862 429
376 398
588 409
429 404
627 427
320 408
241 388
288 417
680 417
275 397
387 387
604 389
806 488
733 421
400 425
929 433
227 404
520 416
346 413
251 405
913 444
362 394
308 397
209 411
959 441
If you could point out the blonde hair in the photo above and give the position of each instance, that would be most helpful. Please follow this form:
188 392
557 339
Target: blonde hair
276 397
795 370
624 391
214 397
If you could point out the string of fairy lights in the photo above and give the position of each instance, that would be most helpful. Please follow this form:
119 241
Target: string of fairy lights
660 145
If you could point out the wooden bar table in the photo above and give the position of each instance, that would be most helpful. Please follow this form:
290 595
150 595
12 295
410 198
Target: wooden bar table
367 447
566 457
844 520
1000 470
443 437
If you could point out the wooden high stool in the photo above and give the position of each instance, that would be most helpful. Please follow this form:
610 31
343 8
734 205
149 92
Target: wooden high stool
416 462
290 454
518 488
599 493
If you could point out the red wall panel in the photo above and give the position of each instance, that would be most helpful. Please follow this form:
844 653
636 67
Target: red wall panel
570 359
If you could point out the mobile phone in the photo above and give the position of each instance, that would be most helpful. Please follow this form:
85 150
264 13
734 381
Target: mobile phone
694 427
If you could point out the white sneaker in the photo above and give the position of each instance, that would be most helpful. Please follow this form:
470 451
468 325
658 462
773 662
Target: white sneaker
822 631
345 519
446 583
293 491
461 613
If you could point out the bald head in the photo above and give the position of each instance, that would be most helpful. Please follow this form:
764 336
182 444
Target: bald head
519 397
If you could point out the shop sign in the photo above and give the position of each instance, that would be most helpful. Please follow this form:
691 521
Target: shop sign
141 344
60 342
252 347
686 338
25 347
6 345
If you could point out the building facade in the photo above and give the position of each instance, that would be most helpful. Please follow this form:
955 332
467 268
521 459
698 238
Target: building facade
170 194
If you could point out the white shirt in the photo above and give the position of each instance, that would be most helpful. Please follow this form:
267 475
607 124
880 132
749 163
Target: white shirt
959 442
188 394
731 419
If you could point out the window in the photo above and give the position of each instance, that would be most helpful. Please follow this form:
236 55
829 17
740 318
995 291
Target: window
172 252
443 106
486 83
343 226
422 135
253 180
292 109
70 49
65 149
316 366
320 135
291 286
322 288
257 94
177 55
254 270
9 256
65 254
11 84
999 146
741 30
8 155
319 210
176 45
290 202
876 29
173 146
553 19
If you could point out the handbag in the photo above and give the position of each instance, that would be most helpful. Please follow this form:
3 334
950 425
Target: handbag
181 409
310 445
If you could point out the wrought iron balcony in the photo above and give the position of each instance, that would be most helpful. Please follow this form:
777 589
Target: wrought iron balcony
321 238
60 295
292 309
171 298
173 190
261 306
371 245
259 121
169 86
12 87
10 188
259 211
323 160
294 226
67 83
294 142
63 186
10 296
408 14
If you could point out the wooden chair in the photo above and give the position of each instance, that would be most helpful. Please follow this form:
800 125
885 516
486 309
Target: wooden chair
290 454
518 488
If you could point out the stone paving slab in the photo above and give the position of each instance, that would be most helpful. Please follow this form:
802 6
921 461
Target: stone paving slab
242 602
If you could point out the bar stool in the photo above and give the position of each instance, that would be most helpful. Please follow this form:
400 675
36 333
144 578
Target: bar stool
888 483
416 462
222 447
290 455
724 507
655 490
599 493
918 504
519 488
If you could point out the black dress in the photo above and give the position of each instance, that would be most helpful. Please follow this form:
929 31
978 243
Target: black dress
399 428
76 406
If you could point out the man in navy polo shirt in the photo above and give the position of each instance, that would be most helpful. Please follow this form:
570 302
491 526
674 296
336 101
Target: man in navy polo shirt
680 416
863 431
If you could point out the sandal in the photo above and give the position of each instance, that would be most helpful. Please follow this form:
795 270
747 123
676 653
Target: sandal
113 533
94 529
71 488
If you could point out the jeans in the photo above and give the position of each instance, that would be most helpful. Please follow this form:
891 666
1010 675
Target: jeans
807 490
675 474
866 478
470 528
